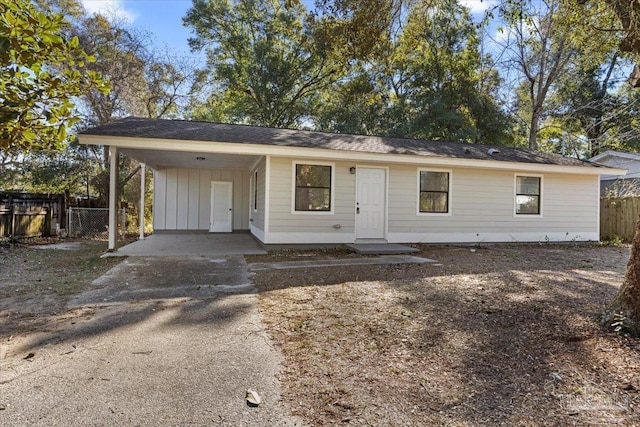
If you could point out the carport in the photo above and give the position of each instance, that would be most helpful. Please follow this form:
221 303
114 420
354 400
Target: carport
166 148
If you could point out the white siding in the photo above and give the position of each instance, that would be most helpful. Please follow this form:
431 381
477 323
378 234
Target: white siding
482 208
193 221
182 198
481 205
159 197
171 201
282 220
204 191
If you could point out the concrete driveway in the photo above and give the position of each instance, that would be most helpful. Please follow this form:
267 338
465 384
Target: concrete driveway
155 341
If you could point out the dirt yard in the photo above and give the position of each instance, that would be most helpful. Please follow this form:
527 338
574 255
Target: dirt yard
36 283
495 335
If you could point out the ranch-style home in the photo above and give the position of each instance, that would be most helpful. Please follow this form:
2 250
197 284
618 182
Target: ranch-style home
303 187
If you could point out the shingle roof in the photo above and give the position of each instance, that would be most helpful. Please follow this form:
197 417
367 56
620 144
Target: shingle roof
136 127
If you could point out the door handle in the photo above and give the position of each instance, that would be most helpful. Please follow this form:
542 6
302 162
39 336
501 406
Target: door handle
357 210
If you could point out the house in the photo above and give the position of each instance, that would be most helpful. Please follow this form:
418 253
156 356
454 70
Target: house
303 187
623 184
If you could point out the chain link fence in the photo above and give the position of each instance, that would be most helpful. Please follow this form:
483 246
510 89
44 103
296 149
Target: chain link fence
92 223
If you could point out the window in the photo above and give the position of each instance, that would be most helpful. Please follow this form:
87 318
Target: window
255 191
528 195
312 188
434 192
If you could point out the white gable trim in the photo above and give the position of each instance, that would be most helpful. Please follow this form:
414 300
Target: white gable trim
612 153
303 153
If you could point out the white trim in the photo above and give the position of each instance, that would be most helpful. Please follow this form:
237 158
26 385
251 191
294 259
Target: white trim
386 199
613 153
143 177
503 237
293 238
113 198
255 164
449 196
294 164
158 144
515 189
267 195
597 185
258 233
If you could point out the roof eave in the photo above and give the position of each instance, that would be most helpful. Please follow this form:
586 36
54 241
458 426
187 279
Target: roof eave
242 148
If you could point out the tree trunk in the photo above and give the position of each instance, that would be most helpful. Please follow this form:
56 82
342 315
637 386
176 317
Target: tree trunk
623 314
533 129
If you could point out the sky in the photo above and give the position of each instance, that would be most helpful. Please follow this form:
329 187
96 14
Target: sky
163 18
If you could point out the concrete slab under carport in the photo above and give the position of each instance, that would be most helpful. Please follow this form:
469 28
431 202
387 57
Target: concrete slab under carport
193 244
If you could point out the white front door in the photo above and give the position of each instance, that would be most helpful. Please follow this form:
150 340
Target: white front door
371 195
221 207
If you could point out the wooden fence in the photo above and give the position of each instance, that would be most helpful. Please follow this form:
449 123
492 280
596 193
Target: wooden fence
29 215
618 217
25 222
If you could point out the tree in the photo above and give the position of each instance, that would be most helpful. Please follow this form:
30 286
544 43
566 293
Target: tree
628 12
623 314
41 69
357 30
545 39
265 68
145 82
432 83
449 93
591 111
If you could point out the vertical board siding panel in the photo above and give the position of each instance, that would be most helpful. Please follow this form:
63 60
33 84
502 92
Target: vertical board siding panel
246 198
159 199
171 213
226 175
194 199
204 213
183 198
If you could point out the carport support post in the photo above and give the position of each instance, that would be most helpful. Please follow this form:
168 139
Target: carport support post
143 176
113 198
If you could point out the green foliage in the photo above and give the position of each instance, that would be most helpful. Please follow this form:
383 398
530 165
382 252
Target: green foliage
628 12
355 30
41 70
265 68
49 171
591 113
548 42
614 241
620 323
433 84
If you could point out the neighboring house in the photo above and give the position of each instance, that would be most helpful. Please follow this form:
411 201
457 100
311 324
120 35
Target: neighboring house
302 187
619 185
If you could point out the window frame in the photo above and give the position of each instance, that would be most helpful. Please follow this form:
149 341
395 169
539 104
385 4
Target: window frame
294 167
516 194
449 193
